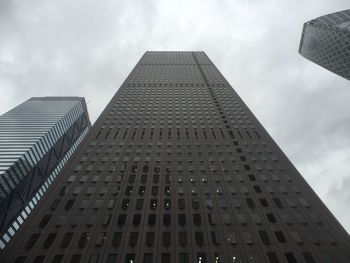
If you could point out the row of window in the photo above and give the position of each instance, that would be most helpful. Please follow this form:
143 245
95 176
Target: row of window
197 219
171 133
165 239
182 258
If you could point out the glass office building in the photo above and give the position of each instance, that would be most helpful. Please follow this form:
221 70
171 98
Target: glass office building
326 42
36 140
178 170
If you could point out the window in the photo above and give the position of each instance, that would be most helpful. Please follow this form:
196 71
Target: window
56 259
84 204
167 190
69 204
128 190
121 220
278 203
304 202
39 259
272 257
167 204
263 202
136 220
308 257
112 258
49 240
106 219
236 203
144 178
139 204
222 203
165 258
183 238
296 237
100 239
264 237
142 190
133 238
84 237
197 219
44 221
90 190
256 219
77 190
182 219
149 239
291 259
129 258
166 239
201 257
75 259
153 204
125 204
241 219
271 218
147 258
231 238
251 177
111 204
55 204
22 259
257 189
167 219
232 190
156 178
64 190
250 203
215 237
209 203
183 258
91 220
33 239
280 237
195 204
154 190
117 237
181 204
151 219
94 258
199 238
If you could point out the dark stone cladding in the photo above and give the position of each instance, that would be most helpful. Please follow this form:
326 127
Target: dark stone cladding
326 42
178 169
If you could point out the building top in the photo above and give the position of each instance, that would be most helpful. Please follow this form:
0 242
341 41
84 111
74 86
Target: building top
326 42
340 20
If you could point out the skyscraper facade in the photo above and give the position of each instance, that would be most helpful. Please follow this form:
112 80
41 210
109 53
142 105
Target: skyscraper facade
36 140
178 169
326 42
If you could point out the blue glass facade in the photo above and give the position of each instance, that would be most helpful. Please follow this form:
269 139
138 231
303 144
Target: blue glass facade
36 140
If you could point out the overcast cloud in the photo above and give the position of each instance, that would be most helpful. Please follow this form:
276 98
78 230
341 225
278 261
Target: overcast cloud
87 48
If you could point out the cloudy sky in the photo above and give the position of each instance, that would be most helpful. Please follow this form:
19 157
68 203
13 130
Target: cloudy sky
87 48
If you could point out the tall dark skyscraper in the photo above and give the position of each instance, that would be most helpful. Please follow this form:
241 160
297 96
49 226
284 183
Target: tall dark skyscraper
326 41
177 169
36 140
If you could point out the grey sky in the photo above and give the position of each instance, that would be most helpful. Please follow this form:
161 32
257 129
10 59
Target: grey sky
87 48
